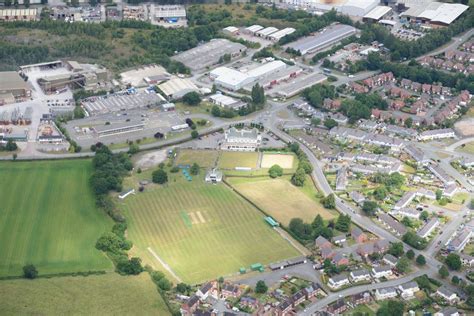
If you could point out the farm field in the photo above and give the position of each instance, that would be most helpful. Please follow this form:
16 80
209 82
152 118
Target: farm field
286 161
109 294
280 199
204 158
49 218
232 159
201 231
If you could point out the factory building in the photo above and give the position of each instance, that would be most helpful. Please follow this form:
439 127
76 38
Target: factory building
169 13
377 14
266 32
323 39
9 15
281 33
208 54
435 14
13 88
176 88
252 30
356 8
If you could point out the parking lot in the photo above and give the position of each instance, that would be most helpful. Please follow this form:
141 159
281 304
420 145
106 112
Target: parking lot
123 101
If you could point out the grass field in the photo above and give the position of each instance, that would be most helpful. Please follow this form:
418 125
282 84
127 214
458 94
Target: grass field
48 218
109 294
285 161
232 159
281 199
201 231
204 158
467 148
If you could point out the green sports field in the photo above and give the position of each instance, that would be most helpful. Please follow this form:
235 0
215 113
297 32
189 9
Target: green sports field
109 294
48 218
201 231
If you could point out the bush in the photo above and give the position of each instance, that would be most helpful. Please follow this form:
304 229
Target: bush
130 267
159 176
194 134
192 98
194 170
261 287
30 271
164 284
174 169
275 171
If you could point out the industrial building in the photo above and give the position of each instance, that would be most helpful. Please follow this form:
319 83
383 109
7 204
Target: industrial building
118 128
281 33
144 76
13 88
226 101
170 15
324 39
235 80
9 15
208 54
231 30
377 14
176 88
266 31
435 14
356 8
252 30
299 83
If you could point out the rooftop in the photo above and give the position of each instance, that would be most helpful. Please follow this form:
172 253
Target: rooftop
11 80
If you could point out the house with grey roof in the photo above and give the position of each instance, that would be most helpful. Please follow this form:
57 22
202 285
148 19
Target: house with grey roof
385 293
360 275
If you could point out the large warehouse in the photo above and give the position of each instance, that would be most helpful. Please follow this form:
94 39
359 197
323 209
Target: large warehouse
234 80
378 13
208 54
324 39
176 88
357 8
435 13
13 88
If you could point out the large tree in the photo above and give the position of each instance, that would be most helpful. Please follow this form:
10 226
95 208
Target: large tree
453 261
159 176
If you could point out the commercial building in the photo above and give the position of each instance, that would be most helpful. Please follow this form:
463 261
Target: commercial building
377 14
13 88
208 54
241 140
281 33
266 31
323 39
176 88
118 128
253 29
435 14
229 78
298 84
226 101
9 15
356 8
172 15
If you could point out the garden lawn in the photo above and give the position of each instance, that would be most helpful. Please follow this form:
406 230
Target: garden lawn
49 218
109 294
201 231
232 160
281 199
204 158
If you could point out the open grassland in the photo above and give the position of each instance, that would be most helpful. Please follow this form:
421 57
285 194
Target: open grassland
286 161
201 231
109 294
232 159
280 199
467 148
204 158
49 219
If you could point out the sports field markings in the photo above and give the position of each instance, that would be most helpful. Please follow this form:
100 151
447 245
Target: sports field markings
194 218
201 218
167 267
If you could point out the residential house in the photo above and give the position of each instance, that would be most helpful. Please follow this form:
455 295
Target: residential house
361 298
338 281
460 241
230 291
190 306
249 302
407 212
448 295
341 179
392 224
426 88
340 260
313 290
337 308
382 271
467 260
381 245
448 311
327 253
385 293
365 250
408 290
360 275
390 260
339 240
437 134
285 307
428 228
322 243
208 289
441 174
298 298
358 235
358 198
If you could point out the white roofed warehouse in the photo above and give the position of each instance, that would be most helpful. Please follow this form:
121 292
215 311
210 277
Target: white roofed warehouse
436 14
176 88
377 14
